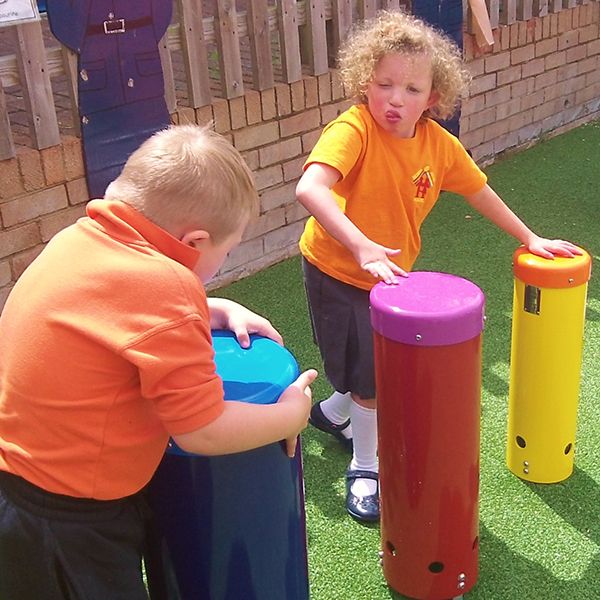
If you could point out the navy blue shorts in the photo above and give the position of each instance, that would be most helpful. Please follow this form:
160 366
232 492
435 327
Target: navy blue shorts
341 325
56 547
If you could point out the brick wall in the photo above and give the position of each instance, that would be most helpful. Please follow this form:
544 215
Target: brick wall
540 78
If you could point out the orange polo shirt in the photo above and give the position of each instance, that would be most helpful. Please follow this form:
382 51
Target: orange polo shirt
105 351
388 186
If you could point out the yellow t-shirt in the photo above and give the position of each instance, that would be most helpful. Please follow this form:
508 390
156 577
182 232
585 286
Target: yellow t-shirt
388 187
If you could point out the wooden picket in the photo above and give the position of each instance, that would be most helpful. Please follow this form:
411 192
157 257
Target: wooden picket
207 51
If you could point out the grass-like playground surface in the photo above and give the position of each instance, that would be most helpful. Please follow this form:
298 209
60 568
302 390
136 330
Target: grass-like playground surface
537 542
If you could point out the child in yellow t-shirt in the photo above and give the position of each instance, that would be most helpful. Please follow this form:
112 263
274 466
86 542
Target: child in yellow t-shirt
372 178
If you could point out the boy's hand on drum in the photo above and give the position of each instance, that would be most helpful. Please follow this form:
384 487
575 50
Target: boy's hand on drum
299 397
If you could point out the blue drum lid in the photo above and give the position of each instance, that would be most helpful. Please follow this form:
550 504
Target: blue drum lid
258 374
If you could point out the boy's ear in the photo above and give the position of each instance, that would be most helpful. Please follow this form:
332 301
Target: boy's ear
195 238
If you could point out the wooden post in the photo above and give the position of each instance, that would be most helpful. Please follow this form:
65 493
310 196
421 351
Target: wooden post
168 75
289 40
193 45
341 23
35 83
230 60
70 61
7 146
315 37
260 44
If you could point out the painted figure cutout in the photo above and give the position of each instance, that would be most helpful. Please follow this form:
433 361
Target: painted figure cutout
120 79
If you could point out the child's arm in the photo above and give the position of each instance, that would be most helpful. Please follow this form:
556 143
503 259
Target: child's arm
491 206
243 426
227 314
313 192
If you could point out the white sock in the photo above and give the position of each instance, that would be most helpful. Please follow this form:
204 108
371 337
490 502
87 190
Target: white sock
364 421
337 409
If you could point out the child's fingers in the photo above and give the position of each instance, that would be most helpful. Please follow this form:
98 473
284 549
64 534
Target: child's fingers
290 446
304 380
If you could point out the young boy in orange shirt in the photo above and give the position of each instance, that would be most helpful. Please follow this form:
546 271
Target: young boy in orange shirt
371 180
106 352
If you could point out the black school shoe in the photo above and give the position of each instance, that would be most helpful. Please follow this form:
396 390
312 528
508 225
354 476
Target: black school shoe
320 421
365 508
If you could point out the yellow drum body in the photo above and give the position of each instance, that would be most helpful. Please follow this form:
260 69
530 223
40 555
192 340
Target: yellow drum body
547 342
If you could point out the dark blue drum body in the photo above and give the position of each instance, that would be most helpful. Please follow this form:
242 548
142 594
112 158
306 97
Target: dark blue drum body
232 527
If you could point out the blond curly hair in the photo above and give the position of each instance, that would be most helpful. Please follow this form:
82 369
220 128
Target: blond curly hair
391 32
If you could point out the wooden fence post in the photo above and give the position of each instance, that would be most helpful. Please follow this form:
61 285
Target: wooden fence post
260 44
35 83
289 40
7 146
228 42
193 45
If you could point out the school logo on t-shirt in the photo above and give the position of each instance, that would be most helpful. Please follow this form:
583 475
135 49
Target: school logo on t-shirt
423 180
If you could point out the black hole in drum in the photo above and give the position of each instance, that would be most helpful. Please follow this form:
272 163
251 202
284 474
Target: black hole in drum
568 448
436 567
390 548
521 442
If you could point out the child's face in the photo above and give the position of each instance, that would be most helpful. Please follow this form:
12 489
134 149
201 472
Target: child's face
400 92
212 256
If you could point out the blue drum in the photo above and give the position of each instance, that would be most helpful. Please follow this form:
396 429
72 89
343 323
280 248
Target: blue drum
234 526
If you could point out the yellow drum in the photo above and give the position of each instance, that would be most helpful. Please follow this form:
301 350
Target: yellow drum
547 341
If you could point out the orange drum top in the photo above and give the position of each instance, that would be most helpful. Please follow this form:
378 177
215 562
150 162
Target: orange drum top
546 273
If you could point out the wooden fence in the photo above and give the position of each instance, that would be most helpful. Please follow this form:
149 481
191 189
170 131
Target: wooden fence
211 49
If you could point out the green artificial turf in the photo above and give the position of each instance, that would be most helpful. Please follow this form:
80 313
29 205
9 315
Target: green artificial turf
537 542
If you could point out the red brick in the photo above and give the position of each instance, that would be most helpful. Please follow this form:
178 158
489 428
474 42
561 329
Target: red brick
256 136
279 196
74 166
269 177
280 151
253 110
508 109
297 91
546 79
568 40
57 221
12 184
533 67
497 96
587 33
77 191
311 92
251 159
30 167
53 165
34 205
309 140
4 292
295 212
292 170
337 88
324 88
483 118
237 110
520 55
565 21
546 46
509 75
472 105
266 222
497 62
482 84
22 260
5 273
299 123
204 115
269 107
187 115
283 99
19 238
221 115
555 60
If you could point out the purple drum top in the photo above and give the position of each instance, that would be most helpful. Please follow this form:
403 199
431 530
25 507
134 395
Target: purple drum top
428 309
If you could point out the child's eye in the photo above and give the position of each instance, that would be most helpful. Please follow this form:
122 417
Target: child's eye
384 85
413 90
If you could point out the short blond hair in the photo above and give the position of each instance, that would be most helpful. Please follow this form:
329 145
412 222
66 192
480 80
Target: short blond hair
188 177
398 32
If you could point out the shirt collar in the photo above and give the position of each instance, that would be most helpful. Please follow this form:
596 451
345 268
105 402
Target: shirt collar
124 222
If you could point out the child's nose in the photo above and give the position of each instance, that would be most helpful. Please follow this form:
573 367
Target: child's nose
397 97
